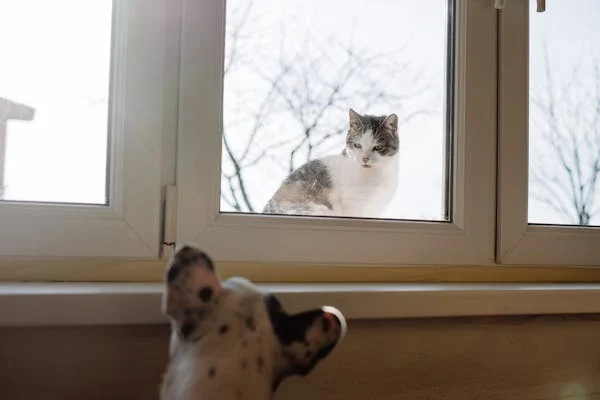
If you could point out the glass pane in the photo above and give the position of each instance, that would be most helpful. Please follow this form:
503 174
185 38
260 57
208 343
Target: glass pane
54 83
564 122
295 69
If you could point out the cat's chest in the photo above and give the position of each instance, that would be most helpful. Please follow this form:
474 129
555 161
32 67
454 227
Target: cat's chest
366 193
365 180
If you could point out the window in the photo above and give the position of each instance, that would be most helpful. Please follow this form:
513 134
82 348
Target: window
181 121
550 133
55 90
84 100
292 60
564 119
294 69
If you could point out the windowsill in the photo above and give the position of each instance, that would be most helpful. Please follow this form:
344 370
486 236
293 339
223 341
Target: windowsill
60 304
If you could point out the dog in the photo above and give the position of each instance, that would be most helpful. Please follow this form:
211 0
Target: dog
230 340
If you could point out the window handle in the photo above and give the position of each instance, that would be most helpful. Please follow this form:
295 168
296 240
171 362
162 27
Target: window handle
541 5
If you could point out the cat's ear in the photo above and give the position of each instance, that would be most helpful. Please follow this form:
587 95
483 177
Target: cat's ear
355 121
390 124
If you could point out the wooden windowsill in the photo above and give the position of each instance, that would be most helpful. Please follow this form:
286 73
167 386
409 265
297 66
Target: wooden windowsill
93 270
62 304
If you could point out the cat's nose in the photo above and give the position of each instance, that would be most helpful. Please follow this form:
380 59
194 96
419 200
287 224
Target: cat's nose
365 159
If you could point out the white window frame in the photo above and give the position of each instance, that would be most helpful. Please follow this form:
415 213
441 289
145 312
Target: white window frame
142 108
519 242
468 239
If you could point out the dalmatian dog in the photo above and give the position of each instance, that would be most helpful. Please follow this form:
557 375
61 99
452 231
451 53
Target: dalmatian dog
230 341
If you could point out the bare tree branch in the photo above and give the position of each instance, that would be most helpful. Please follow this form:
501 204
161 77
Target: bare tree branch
296 97
238 176
567 116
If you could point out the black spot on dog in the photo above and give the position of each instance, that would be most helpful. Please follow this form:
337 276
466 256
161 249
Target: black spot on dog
260 363
212 372
251 324
223 329
303 369
322 353
173 272
205 293
187 255
244 364
207 260
290 328
276 383
187 328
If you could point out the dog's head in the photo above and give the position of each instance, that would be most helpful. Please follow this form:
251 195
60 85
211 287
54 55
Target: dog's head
231 340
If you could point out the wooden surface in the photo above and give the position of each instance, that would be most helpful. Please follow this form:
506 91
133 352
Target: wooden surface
123 270
501 358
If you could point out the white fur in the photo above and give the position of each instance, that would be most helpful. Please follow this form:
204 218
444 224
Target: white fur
361 191
190 361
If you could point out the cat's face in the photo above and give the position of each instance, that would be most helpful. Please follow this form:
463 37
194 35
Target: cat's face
372 141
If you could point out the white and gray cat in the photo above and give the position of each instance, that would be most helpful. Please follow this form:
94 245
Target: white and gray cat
359 182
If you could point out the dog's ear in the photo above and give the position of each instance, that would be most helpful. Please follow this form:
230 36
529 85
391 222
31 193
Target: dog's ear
191 282
307 337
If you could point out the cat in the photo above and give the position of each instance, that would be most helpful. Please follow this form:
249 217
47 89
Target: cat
359 182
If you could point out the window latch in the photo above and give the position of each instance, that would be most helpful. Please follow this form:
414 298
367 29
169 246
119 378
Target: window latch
498 4
541 5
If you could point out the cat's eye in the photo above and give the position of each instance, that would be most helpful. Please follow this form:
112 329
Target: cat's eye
356 145
378 147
